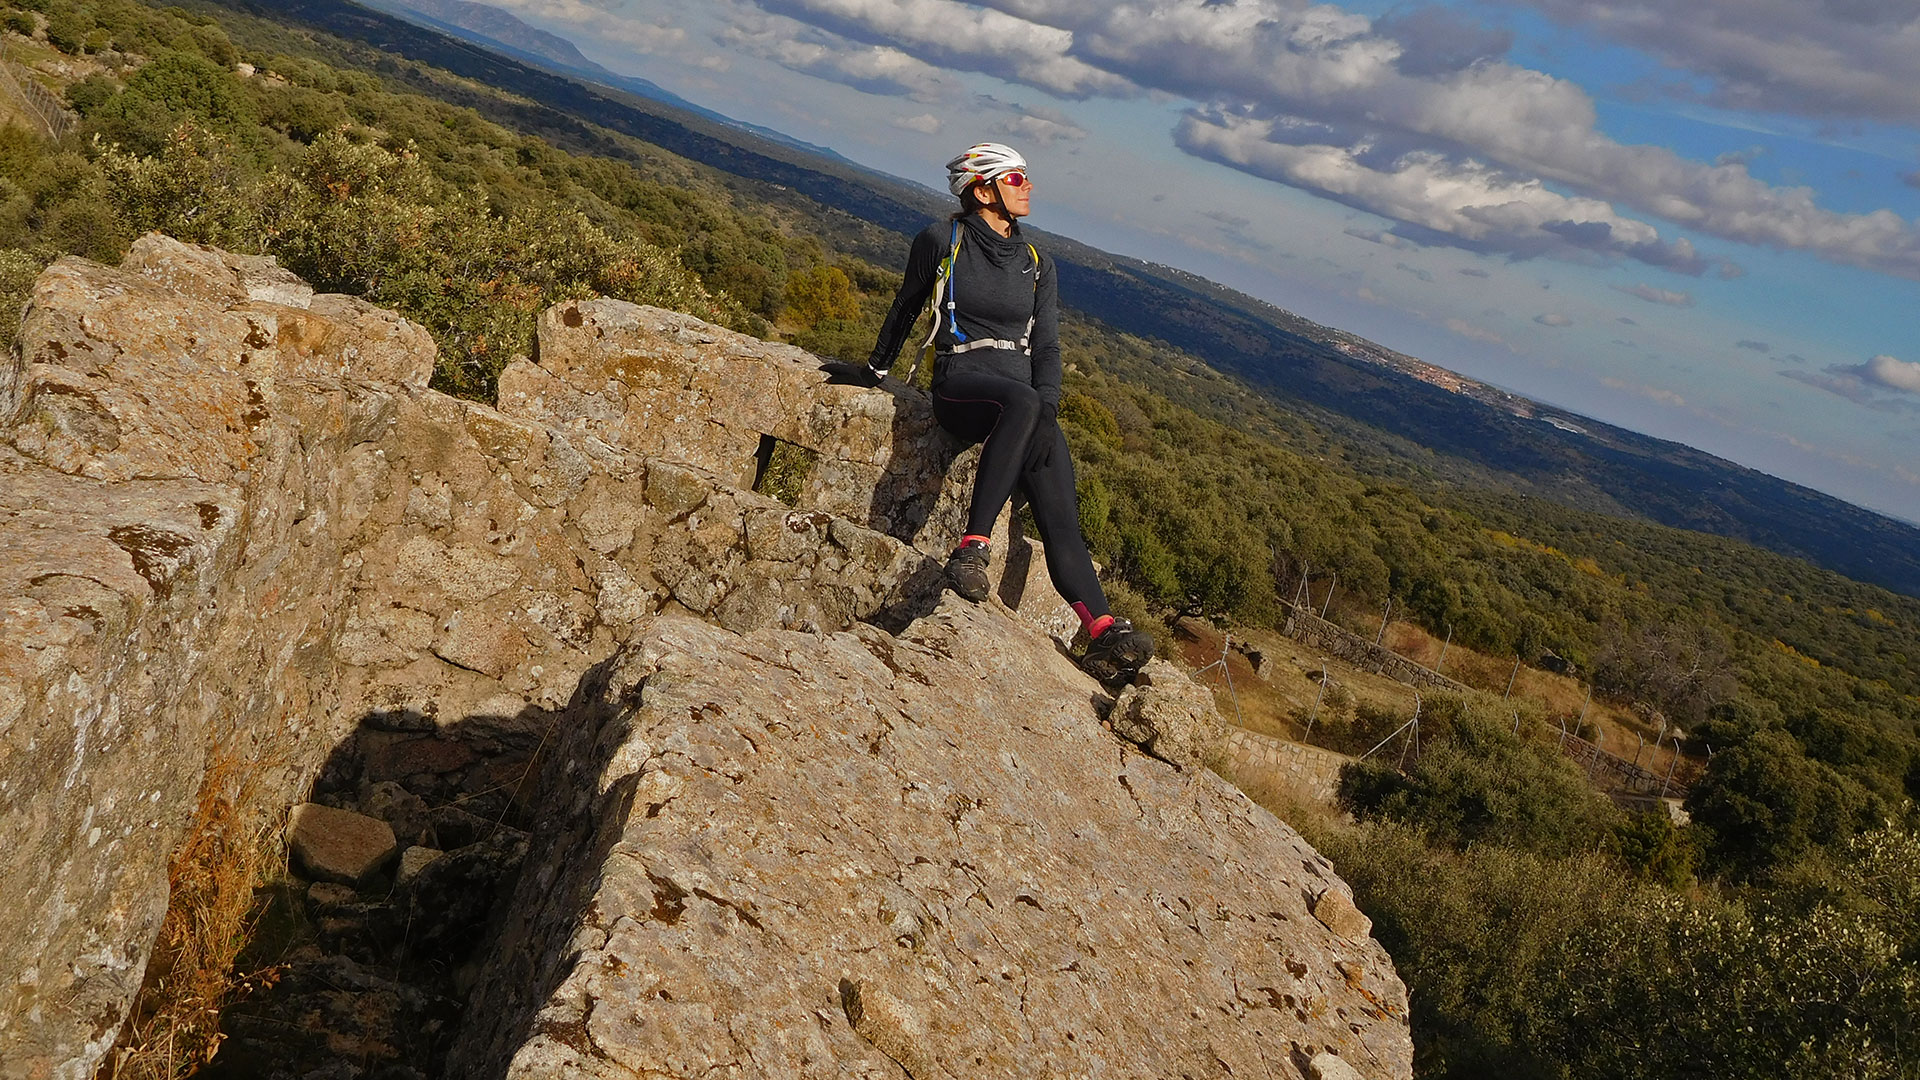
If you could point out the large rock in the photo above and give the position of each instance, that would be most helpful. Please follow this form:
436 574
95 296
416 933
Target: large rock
338 845
788 855
668 385
235 527
1170 716
239 538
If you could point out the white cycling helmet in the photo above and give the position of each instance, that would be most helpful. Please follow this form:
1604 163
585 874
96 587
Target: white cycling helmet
982 161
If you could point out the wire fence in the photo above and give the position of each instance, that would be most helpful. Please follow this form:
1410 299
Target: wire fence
49 114
1606 771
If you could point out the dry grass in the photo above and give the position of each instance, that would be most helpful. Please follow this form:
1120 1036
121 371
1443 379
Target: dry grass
174 1028
1280 704
1554 698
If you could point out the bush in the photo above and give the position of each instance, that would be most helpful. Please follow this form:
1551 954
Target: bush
18 269
176 89
67 30
1765 805
1476 783
1655 848
1527 966
89 94
821 293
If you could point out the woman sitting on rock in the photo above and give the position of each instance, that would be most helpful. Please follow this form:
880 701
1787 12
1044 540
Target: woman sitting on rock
996 378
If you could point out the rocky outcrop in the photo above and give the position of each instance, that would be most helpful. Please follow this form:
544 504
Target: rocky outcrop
1170 716
792 855
238 535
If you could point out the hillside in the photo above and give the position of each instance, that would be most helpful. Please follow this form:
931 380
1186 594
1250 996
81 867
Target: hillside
1499 880
1364 393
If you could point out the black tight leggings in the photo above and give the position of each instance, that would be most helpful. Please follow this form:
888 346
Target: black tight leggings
1004 412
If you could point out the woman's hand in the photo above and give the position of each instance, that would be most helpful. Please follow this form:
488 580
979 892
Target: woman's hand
1046 435
840 373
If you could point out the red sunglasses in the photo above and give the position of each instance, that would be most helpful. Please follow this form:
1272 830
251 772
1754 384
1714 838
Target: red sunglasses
1015 180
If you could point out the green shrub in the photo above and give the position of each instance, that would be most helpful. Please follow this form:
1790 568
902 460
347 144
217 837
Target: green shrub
1475 782
1526 966
18 269
68 28
1656 849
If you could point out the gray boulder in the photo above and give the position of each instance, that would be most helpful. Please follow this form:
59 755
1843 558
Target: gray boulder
789 855
1167 714
338 845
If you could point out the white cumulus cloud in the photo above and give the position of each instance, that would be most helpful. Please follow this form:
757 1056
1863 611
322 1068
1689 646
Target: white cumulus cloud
876 69
1653 295
925 123
1474 333
1463 203
1831 58
1893 374
1415 116
963 36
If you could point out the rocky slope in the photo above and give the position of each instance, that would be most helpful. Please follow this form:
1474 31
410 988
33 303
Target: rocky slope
238 534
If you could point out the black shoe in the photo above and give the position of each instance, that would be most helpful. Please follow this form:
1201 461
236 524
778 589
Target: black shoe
967 572
1118 652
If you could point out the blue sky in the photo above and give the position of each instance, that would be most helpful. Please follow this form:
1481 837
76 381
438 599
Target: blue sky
1699 219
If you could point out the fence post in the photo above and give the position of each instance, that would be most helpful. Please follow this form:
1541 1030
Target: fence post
1438 664
1583 708
1226 669
1330 591
1416 727
1226 644
1510 678
1384 616
1316 703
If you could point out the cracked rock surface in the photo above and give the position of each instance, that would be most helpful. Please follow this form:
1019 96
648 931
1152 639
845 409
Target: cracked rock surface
762 835
792 855
237 530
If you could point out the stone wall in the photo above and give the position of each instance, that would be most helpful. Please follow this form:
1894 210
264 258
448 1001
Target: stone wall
1319 634
1311 772
236 528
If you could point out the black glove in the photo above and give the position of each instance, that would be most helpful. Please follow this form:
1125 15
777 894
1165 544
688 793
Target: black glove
840 373
1046 435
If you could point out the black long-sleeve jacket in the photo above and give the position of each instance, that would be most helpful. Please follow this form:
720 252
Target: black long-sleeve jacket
997 288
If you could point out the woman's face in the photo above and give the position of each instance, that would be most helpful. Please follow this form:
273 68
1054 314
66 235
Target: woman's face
1016 201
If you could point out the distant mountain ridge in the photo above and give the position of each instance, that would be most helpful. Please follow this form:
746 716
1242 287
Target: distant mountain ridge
505 32
1359 389
495 24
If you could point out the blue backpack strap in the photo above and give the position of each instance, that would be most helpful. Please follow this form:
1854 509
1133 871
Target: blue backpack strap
953 258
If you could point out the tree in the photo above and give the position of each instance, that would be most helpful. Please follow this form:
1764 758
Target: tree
1764 804
820 293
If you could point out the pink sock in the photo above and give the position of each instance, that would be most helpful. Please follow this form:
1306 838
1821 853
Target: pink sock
1095 627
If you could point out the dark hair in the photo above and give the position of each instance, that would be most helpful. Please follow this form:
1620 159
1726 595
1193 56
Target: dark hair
970 206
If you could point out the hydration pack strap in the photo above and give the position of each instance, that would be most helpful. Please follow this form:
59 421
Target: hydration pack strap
944 284
988 343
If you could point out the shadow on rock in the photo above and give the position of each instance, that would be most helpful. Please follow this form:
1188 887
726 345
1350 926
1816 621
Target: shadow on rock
400 868
910 484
